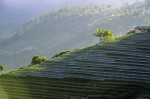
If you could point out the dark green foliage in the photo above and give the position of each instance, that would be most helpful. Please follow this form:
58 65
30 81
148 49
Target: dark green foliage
61 53
49 88
36 59
42 59
104 36
2 68
22 68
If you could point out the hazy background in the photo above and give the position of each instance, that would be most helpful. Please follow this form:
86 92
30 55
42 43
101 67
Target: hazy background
46 27
14 13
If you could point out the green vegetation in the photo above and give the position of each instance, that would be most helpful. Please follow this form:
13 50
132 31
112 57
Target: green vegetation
61 53
2 68
108 60
36 59
45 35
107 35
46 88
103 71
118 69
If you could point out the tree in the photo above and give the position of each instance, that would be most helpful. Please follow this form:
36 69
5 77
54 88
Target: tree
36 59
104 36
99 34
110 35
2 68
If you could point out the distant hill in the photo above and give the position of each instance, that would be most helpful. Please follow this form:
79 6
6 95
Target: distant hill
14 13
66 29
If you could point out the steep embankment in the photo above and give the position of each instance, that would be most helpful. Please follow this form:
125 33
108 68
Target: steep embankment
117 70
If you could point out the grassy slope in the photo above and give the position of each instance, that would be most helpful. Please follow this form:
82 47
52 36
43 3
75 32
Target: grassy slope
124 75
48 32
124 59
45 88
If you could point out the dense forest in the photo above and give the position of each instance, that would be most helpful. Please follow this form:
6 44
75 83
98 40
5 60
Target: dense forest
69 28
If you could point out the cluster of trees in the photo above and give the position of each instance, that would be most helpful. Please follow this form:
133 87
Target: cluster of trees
74 11
2 68
106 35
36 59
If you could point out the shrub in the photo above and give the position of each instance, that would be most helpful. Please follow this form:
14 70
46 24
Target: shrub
21 68
36 59
61 53
2 68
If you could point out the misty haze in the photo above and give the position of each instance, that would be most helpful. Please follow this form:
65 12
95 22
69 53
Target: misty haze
104 44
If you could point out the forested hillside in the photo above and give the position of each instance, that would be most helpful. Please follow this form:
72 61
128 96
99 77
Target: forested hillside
68 28
14 13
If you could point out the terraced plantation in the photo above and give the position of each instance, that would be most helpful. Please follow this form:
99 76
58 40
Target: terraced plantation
44 88
112 70
126 59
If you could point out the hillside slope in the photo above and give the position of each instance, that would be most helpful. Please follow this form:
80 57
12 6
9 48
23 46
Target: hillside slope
66 29
112 70
126 59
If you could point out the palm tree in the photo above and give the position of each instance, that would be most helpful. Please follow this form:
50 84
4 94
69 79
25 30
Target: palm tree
2 67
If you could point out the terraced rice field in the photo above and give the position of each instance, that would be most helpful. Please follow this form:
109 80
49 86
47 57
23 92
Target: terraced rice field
126 59
45 88
112 70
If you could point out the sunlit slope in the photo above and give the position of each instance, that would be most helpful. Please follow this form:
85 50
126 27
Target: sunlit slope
127 58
